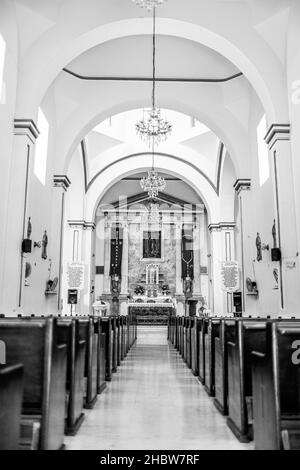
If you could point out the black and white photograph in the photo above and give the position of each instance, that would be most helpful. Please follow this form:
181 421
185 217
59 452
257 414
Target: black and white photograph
149 229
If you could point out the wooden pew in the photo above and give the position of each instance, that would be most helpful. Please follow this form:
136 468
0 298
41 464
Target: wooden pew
195 347
276 388
106 326
11 397
243 337
120 327
68 333
88 332
201 361
211 331
115 344
35 344
101 382
221 369
189 327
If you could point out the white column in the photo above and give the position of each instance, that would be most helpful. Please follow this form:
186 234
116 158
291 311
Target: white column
197 260
204 258
243 190
87 297
107 259
13 267
72 253
61 184
124 281
278 140
179 284
222 249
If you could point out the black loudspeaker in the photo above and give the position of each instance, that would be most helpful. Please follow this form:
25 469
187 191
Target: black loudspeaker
276 254
26 245
72 297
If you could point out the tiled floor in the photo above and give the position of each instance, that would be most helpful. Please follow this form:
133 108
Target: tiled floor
154 403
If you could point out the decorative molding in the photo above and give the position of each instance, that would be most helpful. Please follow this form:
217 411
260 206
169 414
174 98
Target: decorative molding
221 226
242 184
61 181
277 132
26 127
82 224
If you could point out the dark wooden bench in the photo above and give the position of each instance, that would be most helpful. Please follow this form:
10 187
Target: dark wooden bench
11 397
68 332
195 347
211 331
243 337
221 368
276 389
115 344
106 328
101 382
189 326
201 360
35 344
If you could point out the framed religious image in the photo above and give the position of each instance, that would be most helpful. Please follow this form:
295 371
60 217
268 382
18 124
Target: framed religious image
152 245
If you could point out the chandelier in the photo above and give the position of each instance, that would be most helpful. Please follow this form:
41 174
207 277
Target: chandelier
154 129
153 183
149 4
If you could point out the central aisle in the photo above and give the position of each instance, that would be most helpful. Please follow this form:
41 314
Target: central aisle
154 403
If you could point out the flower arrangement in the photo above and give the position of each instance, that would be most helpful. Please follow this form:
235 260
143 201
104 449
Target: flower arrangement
139 290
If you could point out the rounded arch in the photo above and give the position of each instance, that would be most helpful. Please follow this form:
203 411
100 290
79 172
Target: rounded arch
164 163
224 125
263 69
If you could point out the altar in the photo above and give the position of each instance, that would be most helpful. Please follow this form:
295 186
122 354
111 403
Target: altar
152 311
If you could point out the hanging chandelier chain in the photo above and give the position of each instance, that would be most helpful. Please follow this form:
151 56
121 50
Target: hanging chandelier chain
154 58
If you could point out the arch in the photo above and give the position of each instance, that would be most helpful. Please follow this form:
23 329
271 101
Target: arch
164 163
219 120
263 69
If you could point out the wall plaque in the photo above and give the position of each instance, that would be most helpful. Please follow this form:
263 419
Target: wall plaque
230 276
75 276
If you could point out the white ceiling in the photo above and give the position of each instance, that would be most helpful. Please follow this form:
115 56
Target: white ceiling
132 56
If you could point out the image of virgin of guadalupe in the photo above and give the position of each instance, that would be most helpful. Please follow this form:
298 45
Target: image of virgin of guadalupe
258 248
44 245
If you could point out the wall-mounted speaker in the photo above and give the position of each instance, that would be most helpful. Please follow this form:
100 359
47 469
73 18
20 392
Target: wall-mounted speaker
276 254
26 245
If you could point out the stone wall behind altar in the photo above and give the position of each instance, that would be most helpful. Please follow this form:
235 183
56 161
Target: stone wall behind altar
137 267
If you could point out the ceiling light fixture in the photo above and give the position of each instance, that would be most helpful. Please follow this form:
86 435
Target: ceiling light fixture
154 129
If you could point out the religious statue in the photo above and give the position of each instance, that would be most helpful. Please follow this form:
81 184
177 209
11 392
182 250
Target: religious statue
188 287
115 285
274 234
29 228
44 245
258 247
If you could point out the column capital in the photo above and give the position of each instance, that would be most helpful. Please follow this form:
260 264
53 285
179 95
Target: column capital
82 224
61 181
277 132
242 184
26 127
221 226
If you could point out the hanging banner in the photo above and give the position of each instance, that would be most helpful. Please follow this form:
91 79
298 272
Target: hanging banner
75 276
187 253
116 251
230 276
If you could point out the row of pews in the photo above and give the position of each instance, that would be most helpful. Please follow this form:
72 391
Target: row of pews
251 369
54 368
